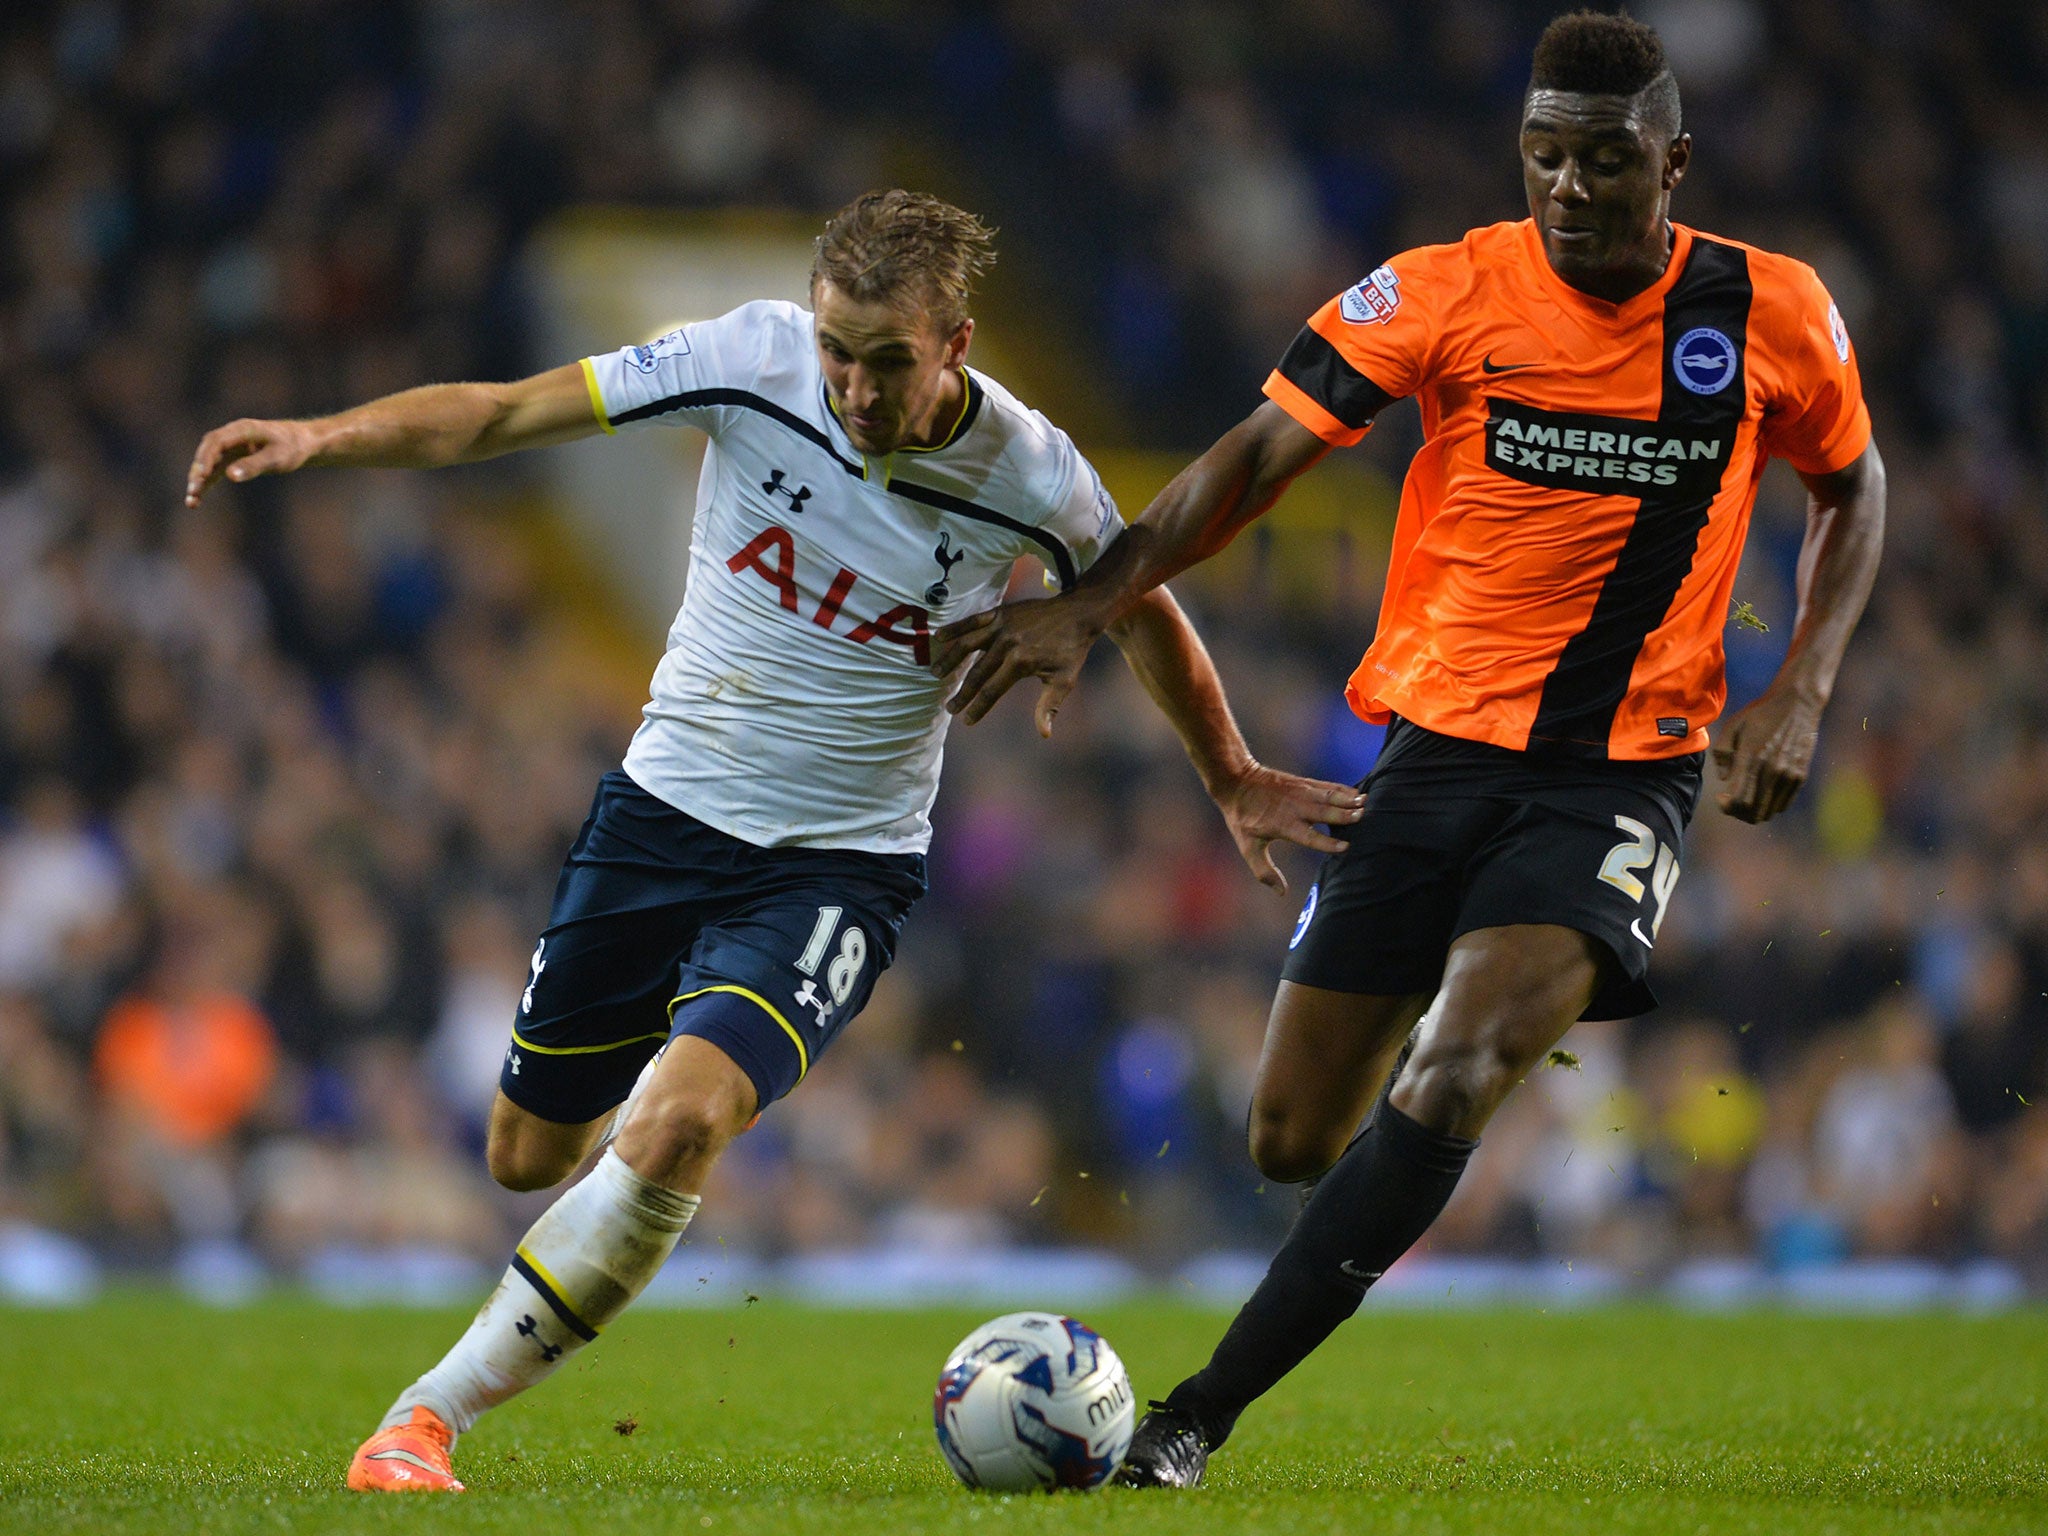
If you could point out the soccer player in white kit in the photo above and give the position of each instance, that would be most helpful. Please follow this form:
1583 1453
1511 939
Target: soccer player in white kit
742 880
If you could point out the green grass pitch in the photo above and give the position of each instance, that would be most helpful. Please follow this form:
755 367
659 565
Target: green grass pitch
149 1414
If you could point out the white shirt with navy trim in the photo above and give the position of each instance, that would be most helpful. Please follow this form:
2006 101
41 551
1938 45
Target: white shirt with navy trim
795 705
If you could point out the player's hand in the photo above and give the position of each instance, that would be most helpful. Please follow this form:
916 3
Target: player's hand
1047 639
244 449
1263 806
1765 753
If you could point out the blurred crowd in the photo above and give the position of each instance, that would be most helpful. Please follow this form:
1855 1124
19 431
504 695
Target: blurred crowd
285 782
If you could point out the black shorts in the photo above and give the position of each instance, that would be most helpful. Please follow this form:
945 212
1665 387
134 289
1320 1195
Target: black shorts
1461 835
664 926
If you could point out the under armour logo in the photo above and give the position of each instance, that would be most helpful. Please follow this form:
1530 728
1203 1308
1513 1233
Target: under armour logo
527 1328
938 591
810 997
537 965
774 487
1366 1276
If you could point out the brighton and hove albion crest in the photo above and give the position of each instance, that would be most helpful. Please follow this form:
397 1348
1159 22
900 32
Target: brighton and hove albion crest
1373 301
1308 915
1704 360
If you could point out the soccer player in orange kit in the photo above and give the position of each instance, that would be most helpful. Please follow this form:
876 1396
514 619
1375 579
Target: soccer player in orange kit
1600 390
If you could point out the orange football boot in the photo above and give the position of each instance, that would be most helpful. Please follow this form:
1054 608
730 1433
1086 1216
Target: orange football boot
406 1458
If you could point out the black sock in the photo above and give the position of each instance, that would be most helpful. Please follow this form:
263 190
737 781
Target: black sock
1368 1210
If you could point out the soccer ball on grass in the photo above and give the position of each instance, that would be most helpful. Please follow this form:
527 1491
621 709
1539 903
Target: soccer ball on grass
1033 1400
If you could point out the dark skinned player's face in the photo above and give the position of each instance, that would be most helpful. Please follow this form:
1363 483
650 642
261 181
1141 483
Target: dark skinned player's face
1599 176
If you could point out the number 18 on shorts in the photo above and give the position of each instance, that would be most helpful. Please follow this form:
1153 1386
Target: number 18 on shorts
663 925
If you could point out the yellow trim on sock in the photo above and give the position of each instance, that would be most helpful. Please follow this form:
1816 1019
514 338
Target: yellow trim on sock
554 1285
596 398
803 1057
583 1050
544 1272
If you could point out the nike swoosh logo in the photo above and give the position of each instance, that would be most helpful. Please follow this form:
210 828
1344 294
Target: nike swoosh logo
1635 927
399 1455
1366 1275
1491 366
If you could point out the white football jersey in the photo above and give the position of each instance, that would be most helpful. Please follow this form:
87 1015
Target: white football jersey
795 704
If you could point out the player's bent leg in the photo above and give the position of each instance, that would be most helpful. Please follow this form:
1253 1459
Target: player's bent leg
1368 1210
577 1268
526 1152
1509 994
1325 1056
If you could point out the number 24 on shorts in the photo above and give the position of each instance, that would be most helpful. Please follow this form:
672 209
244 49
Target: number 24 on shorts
844 971
1640 851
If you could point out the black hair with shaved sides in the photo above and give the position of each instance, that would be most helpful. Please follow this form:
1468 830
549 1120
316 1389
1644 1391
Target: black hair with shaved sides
1593 53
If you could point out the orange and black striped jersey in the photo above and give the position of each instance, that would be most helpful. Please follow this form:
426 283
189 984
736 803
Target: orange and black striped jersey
1569 531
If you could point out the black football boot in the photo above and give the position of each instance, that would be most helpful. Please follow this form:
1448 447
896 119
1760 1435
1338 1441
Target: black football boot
1169 1450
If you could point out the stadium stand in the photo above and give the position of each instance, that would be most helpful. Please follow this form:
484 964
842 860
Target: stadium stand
284 783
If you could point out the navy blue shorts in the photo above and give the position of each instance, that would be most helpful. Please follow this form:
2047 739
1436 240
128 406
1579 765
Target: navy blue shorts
663 926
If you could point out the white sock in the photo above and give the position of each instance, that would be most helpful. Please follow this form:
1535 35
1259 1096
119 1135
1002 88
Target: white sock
590 1254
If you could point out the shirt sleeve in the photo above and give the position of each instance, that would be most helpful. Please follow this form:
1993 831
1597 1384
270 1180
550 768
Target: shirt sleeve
1373 340
684 378
1815 419
1083 523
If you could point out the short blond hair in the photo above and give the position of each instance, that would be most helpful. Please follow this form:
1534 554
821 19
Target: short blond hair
885 246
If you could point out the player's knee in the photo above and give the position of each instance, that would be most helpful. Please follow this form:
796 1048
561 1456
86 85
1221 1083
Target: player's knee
523 1164
1287 1149
1454 1085
524 1152
678 1132
687 1132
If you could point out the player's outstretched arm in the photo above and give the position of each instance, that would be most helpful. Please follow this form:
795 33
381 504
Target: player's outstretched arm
1766 750
421 428
1199 512
1260 805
